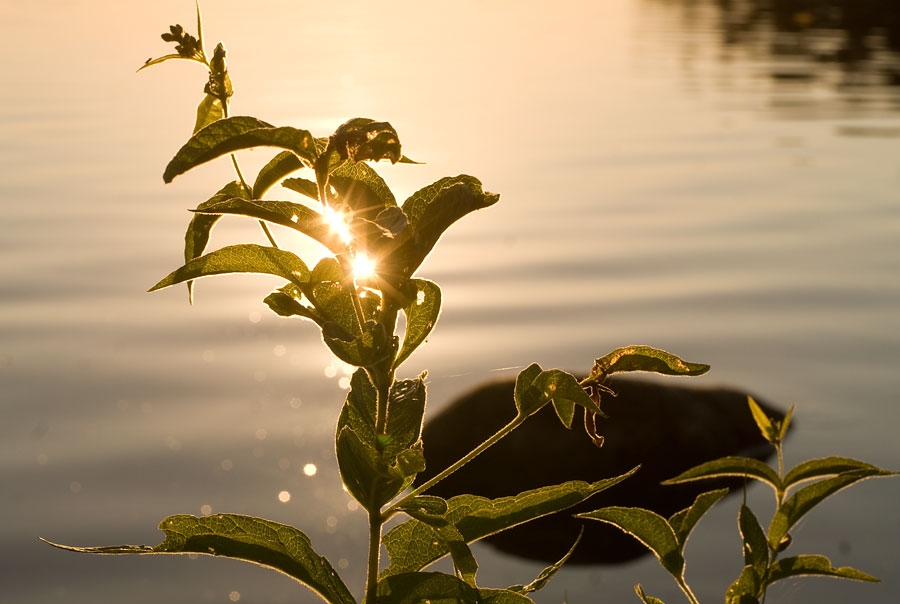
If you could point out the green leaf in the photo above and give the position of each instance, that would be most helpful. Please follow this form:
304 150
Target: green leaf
502 596
645 598
768 430
295 216
376 468
287 302
277 546
197 236
430 212
785 424
361 190
246 258
755 546
806 565
545 575
364 139
234 133
302 186
416 588
643 358
649 528
425 507
824 466
806 498
421 316
683 522
273 172
745 589
362 471
162 59
745 467
556 386
208 111
524 381
412 545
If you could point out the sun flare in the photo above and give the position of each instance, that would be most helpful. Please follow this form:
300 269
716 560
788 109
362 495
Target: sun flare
363 267
338 221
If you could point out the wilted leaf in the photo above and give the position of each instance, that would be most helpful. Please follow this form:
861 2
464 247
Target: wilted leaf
364 139
643 358
246 258
649 528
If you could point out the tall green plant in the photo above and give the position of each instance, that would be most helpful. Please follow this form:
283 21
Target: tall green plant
762 549
356 295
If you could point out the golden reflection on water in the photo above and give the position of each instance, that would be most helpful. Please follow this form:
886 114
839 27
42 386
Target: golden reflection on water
661 182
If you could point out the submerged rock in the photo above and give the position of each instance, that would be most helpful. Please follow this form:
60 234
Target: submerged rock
665 428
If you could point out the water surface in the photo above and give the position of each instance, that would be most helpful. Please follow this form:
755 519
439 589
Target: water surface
719 183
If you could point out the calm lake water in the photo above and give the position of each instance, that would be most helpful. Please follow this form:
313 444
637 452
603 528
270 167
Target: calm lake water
724 184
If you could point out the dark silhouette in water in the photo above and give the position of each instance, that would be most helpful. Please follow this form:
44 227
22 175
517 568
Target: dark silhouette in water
664 428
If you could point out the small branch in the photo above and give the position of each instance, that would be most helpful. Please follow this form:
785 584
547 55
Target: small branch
374 555
515 423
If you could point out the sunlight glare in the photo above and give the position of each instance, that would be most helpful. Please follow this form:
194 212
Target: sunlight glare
363 267
338 223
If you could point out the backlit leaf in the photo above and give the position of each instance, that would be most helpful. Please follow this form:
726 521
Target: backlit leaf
545 575
208 111
645 598
745 588
755 546
277 546
294 216
766 428
683 522
643 358
412 545
421 316
274 172
417 588
807 565
824 466
649 528
234 133
806 498
197 236
729 466
246 258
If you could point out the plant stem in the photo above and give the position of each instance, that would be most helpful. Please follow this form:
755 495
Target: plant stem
246 187
375 522
687 591
466 459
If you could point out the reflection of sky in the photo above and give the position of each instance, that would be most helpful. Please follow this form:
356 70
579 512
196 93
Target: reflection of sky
658 186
